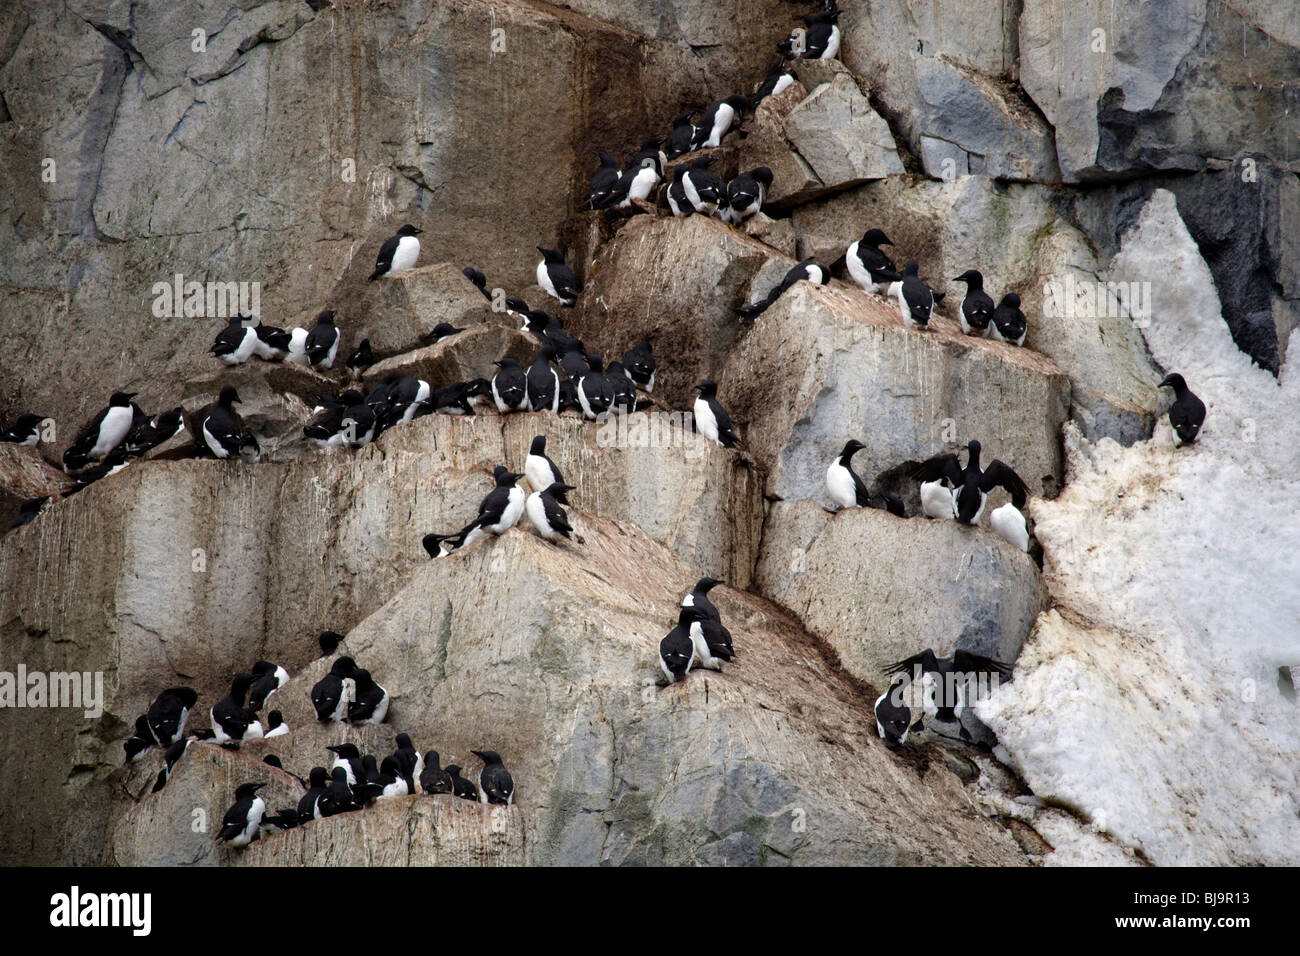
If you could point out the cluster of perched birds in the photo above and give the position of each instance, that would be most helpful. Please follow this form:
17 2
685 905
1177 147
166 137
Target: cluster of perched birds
354 781
700 639
347 693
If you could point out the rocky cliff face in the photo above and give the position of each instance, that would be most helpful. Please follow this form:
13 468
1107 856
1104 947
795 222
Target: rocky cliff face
1052 145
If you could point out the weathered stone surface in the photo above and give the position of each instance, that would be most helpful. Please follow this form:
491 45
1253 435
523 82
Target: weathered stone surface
1040 254
160 170
944 75
850 369
459 358
393 312
674 283
1127 86
840 136
878 588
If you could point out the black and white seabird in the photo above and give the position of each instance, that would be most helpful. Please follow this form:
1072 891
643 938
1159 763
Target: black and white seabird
323 341
640 365
499 511
105 432
495 782
331 693
711 419
971 485
546 515
239 827
463 788
28 511
703 191
915 298
171 757
818 40
338 796
777 80
362 358
622 388
1008 522
595 394
870 268
433 779
223 432
152 432
25 431
398 253
711 640
510 387
543 383
807 271
677 649
944 680
404 398
893 716
141 739
977 308
370 703
390 780
348 759
231 720
236 343
1187 413
275 725
1009 324
540 471
698 597
167 714
717 120
407 755
479 281
317 782
439 332
329 642
638 180
270 678
678 142
557 279
272 343
848 490
745 194
326 429
603 183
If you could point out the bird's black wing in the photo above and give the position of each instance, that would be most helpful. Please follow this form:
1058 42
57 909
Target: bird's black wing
555 515
939 468
966 662
1187 416
385 257
999 474
925 660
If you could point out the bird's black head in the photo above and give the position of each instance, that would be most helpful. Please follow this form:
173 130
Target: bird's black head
642 346
762 174
972 277
875 237
852 447
431 759
559 491
507 478
228 396
1010 300
318 776
1175 381
121 399
538 447
343 667
487 756
271 760
409 230
403 742
326 317
683 119
239 686
188 696
607 161
911 268
247 790
737 102
705 585
274 719
452 769
707 388
330 640
345 750
596 362
262 667
506 363
444 329
28 422
704 162
515 305
974 448
339 776
551 256
389 766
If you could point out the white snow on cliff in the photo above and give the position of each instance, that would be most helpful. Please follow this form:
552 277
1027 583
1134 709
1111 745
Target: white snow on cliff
1151 703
